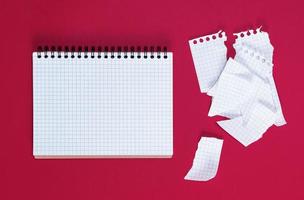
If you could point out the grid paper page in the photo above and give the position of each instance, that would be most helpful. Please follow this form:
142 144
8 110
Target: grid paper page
102 107
209 57
206 159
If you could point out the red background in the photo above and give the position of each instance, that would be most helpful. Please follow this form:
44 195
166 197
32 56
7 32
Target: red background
272 168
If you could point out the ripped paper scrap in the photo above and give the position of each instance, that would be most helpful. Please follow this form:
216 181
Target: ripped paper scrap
261 118
255 39
259 41
209 55
234 88
206 159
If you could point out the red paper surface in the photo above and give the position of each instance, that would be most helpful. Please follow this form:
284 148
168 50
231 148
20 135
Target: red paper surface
272 168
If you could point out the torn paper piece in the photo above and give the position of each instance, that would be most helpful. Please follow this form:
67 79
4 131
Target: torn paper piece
280 119
234 88
254 61
209 57
257 40
261 118
254 39
212 90
263 68
262 96
206 160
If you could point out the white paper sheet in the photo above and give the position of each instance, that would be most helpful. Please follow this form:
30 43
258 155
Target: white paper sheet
206 160
100 107
235 87
246 87
243 94
259 41
209 57
259 121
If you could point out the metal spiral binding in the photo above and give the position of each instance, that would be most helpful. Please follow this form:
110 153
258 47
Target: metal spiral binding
106 50
102 53
79 52
132 52
138 52
125 52
65 53
145 52
92 52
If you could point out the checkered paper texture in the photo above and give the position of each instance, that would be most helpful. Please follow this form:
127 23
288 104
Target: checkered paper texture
244 95
239 84
206 159
261 70
102 107
259 41
209 57
235 87
246 84
257 114
260 119
253 39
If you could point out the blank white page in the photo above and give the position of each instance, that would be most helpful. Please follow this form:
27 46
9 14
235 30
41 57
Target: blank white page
102 107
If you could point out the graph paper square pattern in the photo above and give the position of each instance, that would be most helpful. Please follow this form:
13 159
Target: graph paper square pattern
260 119
102 107
263 68
245 90
280 119
209 57
241 84
259 41
206 160
235 87
254 39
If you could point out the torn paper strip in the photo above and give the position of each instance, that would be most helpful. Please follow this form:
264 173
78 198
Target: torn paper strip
244 94
260 119
257 40
280 119
206 160
262 67
245 80
209 57
234 88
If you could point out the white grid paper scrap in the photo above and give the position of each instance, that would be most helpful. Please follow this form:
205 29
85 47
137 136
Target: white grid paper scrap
209 57
256 39
206 159
280 119
262 68
102 107
261 118
254 61
235 87
212 90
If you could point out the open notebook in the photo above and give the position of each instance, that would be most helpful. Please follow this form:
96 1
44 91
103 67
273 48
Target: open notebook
102 103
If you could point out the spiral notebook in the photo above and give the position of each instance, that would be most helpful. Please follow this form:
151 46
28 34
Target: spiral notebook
113 102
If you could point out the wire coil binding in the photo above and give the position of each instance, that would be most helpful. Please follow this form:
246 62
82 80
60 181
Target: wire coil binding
102 52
